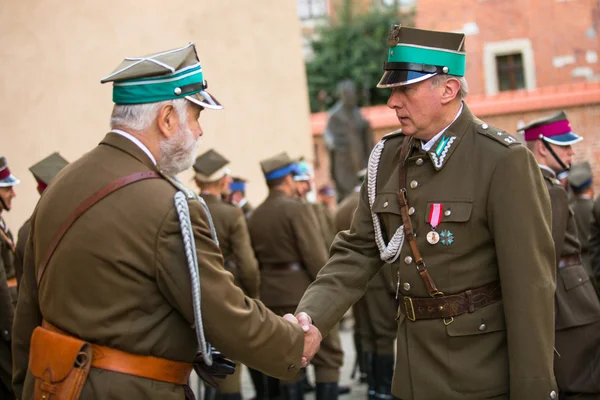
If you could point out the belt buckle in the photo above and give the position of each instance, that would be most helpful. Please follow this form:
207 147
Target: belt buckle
409 308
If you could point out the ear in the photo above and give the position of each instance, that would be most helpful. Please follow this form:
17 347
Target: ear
541 148
168 120
450 89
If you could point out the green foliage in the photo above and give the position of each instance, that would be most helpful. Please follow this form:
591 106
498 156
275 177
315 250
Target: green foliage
353 48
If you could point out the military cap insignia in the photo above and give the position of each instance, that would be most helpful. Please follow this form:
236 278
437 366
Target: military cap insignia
394 35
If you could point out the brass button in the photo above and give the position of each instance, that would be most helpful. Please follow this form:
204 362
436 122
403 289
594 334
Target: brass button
482 327
291 367
411 211
414 184
447 213
553 395
408 259
419 161
406 286
441 308
385 204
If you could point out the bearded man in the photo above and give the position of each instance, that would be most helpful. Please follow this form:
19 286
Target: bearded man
119 252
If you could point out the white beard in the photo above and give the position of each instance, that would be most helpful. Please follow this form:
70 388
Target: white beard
178 153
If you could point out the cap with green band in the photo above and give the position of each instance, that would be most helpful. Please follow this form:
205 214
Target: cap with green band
168 75
416 54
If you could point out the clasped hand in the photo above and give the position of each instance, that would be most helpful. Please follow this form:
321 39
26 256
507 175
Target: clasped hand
312 336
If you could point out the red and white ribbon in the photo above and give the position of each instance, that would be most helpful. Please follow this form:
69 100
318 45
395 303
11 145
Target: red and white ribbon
435 214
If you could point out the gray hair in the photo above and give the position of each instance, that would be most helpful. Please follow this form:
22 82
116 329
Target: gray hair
437 80
138 117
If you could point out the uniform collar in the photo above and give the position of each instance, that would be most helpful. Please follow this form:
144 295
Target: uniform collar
210 198
547 171
127 145
427 146
137 143
242 202
449 139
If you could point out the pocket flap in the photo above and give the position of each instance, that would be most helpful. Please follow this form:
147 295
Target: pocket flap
573 276
52 355
386 203
484 320
452 211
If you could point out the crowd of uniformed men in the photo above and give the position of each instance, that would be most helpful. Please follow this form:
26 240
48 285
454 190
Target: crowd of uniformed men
490 261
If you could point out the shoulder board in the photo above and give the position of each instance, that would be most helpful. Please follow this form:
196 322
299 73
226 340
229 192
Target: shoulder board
498 135
189 193
393 134
552 180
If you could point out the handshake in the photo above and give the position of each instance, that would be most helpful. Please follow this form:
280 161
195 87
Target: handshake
312 336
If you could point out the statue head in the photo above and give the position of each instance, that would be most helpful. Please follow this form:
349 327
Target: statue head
347 93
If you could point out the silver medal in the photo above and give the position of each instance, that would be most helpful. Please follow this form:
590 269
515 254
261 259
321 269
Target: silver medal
433 237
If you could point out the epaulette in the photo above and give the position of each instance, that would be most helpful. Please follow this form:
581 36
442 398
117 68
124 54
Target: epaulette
395 133
189 193
498 135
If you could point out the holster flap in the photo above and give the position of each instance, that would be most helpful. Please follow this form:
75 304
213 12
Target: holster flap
52 355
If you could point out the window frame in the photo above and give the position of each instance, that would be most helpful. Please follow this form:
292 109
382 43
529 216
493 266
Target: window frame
504 48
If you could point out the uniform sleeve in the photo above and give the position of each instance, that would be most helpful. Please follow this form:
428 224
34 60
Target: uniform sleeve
343 280
243 255
594 243
520 222
20 251
27 317
310 242
241 328
559 200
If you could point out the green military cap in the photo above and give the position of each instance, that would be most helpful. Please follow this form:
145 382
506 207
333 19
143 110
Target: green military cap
580 176
278 166
7 179
417 54
554 129
210 166
167 75
45 170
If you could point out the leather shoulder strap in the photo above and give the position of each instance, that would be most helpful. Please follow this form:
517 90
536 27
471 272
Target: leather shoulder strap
86 205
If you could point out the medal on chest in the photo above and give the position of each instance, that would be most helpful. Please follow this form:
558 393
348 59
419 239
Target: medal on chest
433 219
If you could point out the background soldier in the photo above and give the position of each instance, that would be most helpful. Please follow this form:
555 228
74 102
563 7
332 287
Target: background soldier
582 203
237 196
577 365
348 138
43 172
122 281
213 180
374 313
7 244
439 205
290 253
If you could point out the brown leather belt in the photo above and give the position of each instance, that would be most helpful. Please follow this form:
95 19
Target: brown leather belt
291 266
158 369
569 261
449 306
12 282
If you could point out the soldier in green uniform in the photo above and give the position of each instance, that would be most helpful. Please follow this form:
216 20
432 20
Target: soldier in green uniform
8 282
594 241
213 179
582 202
123 282
374 313
459 210
237 196
7 243
290 252
326 200
577 364
43 172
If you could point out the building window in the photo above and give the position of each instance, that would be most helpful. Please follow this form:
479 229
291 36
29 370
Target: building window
510 72
508 65
312 9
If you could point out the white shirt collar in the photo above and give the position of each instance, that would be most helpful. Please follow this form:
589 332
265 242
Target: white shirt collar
548 169
427 146
242 202
137 143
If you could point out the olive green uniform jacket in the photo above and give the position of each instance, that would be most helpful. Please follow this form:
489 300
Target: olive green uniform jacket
20 250
582 209
234 242
594 241
119 278
498 211
7 258
6 322
577 368
375 312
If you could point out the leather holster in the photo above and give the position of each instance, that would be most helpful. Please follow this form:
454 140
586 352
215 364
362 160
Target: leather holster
59 363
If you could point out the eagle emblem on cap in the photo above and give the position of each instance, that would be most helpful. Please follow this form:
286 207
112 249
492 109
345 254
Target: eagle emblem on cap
394 35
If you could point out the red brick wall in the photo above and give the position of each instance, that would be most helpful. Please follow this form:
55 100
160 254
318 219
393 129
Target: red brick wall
555 28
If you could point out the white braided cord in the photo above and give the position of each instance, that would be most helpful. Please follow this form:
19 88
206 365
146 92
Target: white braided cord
183 212
390 252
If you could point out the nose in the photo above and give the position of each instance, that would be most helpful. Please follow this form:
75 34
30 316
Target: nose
395 99
12 192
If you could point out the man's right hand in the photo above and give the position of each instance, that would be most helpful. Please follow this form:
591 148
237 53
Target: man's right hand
312 336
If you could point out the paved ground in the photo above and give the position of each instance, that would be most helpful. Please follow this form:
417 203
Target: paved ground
358 391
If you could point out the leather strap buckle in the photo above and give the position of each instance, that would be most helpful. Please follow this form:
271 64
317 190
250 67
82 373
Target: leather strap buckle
409 309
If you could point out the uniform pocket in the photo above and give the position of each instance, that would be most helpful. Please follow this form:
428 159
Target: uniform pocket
576 300
387 208
573 276
477 351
